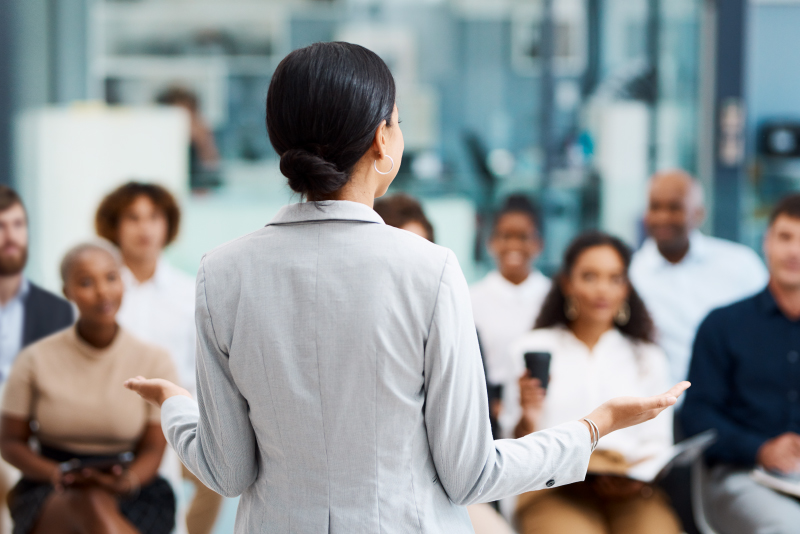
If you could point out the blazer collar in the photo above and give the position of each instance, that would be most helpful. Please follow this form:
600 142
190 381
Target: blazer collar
327 210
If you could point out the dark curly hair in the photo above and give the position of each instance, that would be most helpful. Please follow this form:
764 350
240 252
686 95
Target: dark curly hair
109 213
639 327
400 209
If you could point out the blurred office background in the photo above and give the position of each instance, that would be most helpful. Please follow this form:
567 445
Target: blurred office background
575 102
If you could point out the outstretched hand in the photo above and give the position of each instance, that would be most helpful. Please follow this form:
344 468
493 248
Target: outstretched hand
155 390
623 412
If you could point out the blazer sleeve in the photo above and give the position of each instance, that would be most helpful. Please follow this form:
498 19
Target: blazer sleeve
213 437
471 466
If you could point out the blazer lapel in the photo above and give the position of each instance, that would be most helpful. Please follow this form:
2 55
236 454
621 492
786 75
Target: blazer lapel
29 320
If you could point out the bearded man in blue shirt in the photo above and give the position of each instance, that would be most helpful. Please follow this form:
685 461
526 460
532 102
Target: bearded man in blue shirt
745 374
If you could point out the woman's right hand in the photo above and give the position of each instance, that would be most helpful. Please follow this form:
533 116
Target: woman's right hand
155 390
623 412
531 399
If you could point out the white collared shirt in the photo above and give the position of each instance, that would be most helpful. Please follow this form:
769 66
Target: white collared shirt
583 379
161 311
503 312
678 296
12 323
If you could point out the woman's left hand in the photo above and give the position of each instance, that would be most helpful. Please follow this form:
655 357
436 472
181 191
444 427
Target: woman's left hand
155 390
116 481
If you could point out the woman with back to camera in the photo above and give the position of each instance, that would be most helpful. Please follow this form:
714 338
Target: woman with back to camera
600 337
340 388
65 392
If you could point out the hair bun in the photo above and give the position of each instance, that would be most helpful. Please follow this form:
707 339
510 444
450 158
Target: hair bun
310 174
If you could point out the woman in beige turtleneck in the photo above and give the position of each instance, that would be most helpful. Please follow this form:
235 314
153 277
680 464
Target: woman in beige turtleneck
69 388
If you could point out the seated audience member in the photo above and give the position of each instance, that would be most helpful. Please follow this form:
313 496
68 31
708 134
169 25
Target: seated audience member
745 381
506 301
66 392
27 312
600 338
683 274
143 219
404 212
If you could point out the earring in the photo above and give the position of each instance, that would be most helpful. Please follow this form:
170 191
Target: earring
375 164
571 311
623 314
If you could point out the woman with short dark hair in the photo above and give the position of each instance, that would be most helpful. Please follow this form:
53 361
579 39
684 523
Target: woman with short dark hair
340 387
507 300
600 338
404 211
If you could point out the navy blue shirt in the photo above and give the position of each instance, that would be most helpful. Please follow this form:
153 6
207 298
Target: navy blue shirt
745 376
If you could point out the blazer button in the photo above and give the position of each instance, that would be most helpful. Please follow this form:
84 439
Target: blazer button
550 483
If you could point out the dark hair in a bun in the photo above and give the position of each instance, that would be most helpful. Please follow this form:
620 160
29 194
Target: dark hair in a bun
324 104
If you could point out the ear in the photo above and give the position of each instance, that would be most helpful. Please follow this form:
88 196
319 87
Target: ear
379 142
65 292
564 284
698 217
539 244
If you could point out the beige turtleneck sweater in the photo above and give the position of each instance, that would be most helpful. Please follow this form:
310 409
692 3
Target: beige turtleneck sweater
74 391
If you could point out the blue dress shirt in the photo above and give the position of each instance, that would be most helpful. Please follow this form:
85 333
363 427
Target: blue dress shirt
12 321
745 375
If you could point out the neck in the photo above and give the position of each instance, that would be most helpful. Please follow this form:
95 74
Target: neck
9 287
361 187
97 335
142 269
516 278
675 253
589 333
787 298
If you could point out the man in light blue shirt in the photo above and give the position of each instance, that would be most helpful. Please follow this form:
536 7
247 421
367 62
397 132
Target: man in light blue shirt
27 312
12 319
682 274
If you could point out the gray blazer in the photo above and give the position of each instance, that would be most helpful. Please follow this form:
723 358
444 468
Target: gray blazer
340 386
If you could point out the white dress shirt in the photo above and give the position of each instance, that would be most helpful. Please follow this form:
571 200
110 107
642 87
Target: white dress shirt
678 296
503 312
583 379
12 322
161 311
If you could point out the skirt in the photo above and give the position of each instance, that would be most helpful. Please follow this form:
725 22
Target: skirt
152 511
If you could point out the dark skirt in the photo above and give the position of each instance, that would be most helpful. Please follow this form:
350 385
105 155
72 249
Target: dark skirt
152 511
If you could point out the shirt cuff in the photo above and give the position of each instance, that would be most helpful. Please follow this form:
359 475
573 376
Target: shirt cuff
178 415
575 470
750 446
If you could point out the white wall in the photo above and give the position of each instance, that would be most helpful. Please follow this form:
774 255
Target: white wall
69 158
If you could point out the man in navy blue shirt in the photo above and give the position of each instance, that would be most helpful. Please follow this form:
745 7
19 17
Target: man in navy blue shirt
745 375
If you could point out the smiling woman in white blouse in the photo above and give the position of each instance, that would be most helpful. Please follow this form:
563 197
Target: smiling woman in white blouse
506 301
599 335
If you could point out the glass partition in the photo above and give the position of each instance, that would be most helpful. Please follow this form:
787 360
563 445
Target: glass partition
616 88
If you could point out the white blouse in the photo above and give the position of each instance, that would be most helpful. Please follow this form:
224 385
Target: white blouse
503 312
582 379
